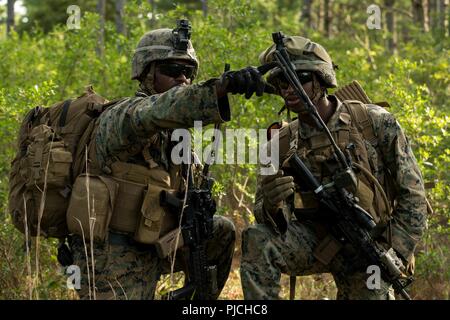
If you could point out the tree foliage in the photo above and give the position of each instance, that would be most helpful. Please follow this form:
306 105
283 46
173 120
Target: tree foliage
44 64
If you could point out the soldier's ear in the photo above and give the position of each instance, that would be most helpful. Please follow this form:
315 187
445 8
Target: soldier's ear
148 71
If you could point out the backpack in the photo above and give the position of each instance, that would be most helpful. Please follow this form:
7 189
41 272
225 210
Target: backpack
42 172
354 91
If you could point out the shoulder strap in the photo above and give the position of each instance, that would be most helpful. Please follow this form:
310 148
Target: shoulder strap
293 135
288 137
360 116
65 110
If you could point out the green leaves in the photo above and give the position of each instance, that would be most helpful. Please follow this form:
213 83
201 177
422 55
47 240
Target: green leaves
41 69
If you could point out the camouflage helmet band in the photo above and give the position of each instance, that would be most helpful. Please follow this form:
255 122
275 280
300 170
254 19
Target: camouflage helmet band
159 45
190 51
156 47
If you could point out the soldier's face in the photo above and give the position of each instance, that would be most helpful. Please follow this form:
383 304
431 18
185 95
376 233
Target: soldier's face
291 100
167 76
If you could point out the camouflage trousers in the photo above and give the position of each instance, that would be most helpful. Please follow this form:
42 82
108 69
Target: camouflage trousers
132 270
265 255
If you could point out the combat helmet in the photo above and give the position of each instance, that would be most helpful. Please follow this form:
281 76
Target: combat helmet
163 44
306 56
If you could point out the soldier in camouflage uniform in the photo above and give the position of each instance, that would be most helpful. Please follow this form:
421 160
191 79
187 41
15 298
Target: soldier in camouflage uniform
286 240
137 131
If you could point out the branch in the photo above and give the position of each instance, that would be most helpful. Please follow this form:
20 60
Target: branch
402 11
240 201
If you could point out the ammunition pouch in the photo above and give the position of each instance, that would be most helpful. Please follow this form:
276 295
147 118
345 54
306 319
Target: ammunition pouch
154 221
127 202
306 208
91 206
128 205
365 196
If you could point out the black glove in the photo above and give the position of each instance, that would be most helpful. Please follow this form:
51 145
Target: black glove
276 188
247 81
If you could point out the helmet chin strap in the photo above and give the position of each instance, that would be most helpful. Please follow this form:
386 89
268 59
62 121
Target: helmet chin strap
148 84
317 90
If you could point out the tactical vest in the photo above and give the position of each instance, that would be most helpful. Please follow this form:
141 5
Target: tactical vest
124 196
57 187
355 129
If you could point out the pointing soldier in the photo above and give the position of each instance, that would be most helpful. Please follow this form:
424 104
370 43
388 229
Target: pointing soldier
131 144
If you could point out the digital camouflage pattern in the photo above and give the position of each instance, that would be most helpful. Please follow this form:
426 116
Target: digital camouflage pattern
131 271
158 45
266 254
267 251
134 121
305 55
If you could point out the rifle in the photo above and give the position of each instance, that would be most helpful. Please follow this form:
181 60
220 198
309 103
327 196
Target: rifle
196 229
349 222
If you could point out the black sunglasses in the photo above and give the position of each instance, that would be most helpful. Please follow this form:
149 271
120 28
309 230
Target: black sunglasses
282 83
174 70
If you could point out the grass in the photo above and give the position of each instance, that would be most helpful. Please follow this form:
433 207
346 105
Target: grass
317 287
432 274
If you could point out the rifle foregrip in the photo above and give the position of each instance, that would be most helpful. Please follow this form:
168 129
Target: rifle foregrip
304 173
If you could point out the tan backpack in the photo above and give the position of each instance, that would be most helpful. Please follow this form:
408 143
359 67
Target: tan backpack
42 173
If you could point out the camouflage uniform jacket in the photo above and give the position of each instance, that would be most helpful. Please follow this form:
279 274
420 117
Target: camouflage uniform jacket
409 217
127 127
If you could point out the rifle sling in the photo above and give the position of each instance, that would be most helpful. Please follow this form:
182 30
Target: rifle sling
65 110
